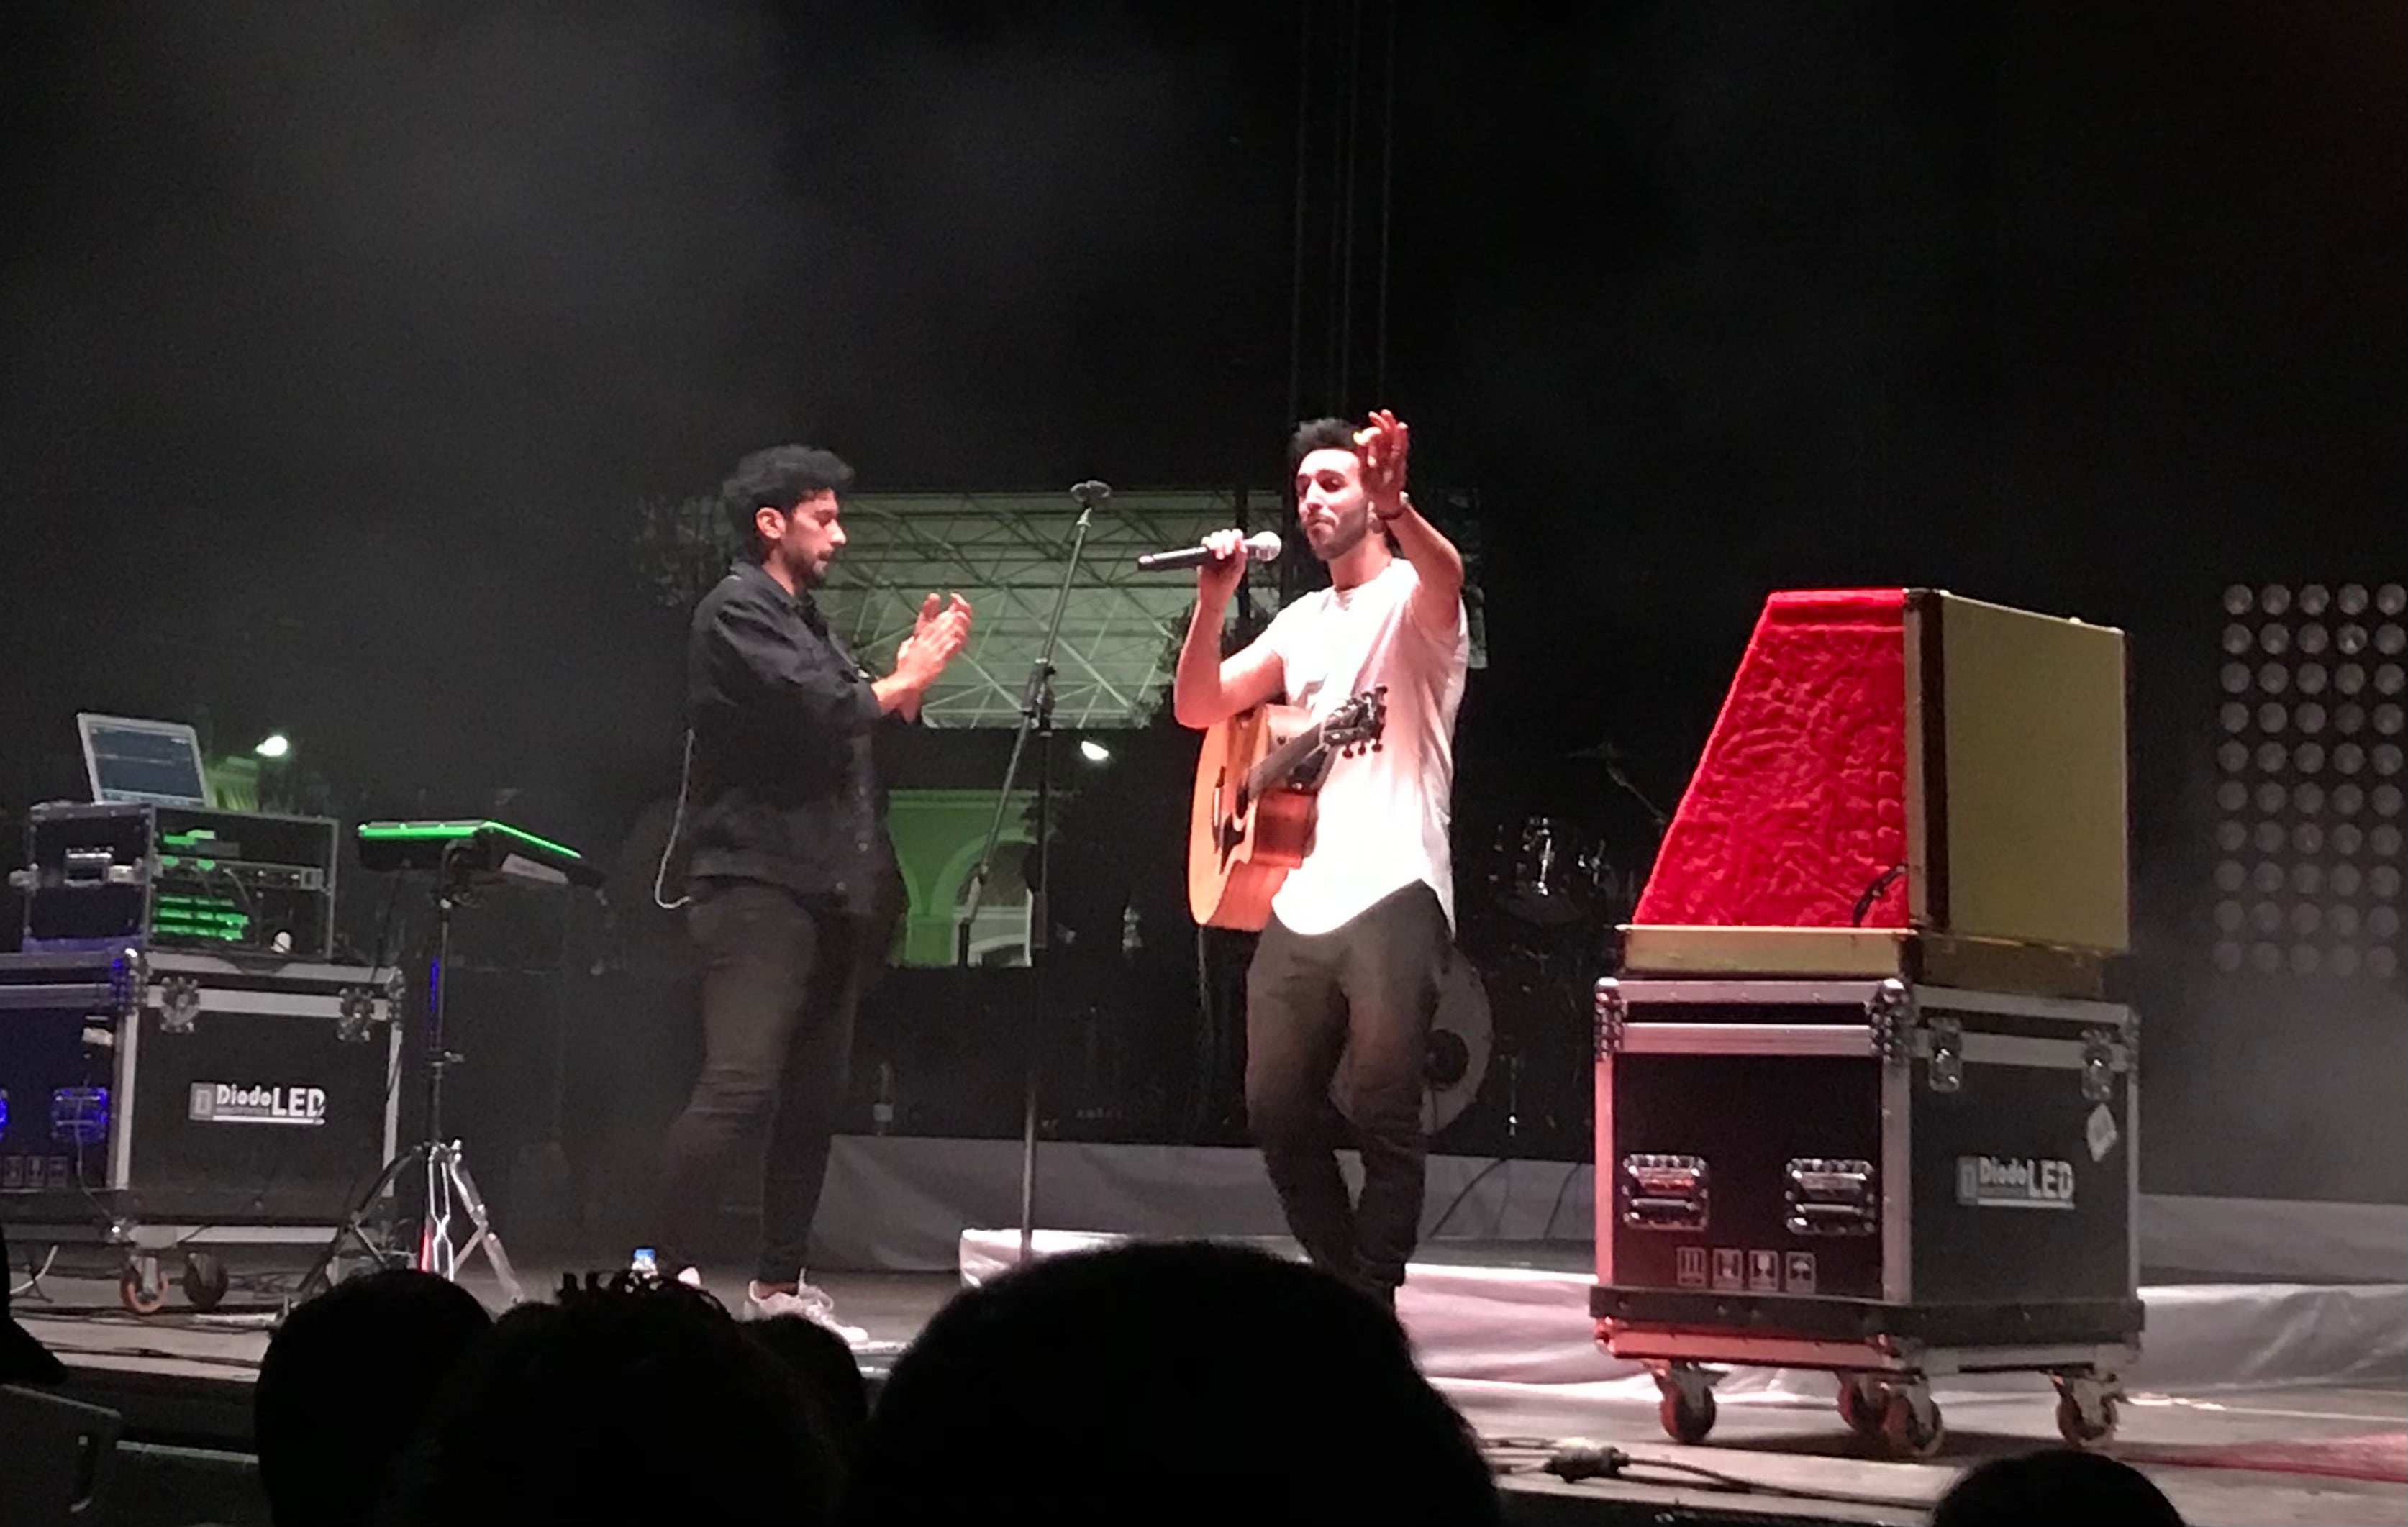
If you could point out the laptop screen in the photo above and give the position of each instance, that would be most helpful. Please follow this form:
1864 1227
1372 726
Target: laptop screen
154 762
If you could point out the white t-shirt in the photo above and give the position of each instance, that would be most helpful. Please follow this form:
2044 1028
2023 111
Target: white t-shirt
1380 819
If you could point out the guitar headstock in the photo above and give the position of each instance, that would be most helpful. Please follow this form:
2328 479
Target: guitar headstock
1358 723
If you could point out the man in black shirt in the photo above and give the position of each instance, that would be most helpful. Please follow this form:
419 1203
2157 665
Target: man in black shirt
789 854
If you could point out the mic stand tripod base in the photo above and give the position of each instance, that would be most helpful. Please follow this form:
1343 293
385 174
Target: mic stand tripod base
449 1189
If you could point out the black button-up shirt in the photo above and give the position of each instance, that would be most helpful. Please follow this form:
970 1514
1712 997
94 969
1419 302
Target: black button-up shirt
784 788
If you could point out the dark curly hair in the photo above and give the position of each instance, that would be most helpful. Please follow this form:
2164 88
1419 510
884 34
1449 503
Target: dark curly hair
1319 435
778 477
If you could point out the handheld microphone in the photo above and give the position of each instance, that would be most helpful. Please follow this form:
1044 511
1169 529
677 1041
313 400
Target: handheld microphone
1262 545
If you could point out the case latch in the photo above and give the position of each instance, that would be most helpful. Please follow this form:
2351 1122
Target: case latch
360 1008
1830 1197
1664 1193
1612 1011
2097 1065
180 1003
1945 1071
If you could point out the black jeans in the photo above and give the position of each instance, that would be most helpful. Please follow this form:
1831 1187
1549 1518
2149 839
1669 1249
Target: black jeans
781 979
1367 989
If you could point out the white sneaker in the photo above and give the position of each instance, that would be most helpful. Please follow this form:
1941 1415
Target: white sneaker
812 1304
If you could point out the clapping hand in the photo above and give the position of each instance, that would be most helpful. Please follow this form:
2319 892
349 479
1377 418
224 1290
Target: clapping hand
937 632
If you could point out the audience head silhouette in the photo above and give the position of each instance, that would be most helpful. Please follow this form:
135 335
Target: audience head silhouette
644 1406
1186 1380
826 1367
346 1379
2061 1485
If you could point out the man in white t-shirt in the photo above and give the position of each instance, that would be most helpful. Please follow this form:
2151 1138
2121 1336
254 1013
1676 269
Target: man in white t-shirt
1360 932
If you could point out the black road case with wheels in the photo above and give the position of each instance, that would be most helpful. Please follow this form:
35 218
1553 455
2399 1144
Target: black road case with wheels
156 1100
1886 1180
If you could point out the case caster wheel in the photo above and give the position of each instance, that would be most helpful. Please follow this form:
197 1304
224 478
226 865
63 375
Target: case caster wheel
1861 1404
1686 1419
1687 1407
139 1288
1910 1427
2086 1411
205 1280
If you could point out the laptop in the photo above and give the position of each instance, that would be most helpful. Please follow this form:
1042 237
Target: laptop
152 762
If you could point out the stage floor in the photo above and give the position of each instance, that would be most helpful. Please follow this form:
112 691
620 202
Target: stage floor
2229 1454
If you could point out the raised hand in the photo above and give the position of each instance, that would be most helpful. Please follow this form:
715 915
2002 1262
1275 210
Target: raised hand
1384 443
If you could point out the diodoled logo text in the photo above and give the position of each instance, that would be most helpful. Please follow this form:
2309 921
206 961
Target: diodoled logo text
2014 1182
229 1103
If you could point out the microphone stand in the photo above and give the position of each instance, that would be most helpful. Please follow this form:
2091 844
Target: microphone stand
1037 718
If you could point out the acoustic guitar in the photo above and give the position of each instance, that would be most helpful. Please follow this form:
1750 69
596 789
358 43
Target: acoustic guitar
1256 782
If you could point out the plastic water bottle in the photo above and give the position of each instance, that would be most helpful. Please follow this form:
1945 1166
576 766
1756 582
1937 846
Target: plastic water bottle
881 1112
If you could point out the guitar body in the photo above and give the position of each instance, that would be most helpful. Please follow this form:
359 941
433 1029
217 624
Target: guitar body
1238 849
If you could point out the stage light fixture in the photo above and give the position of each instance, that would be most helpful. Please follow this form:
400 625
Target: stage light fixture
2310 780
273 745
1094 751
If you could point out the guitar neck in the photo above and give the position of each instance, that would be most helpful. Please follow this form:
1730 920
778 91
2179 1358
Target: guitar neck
1282 761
